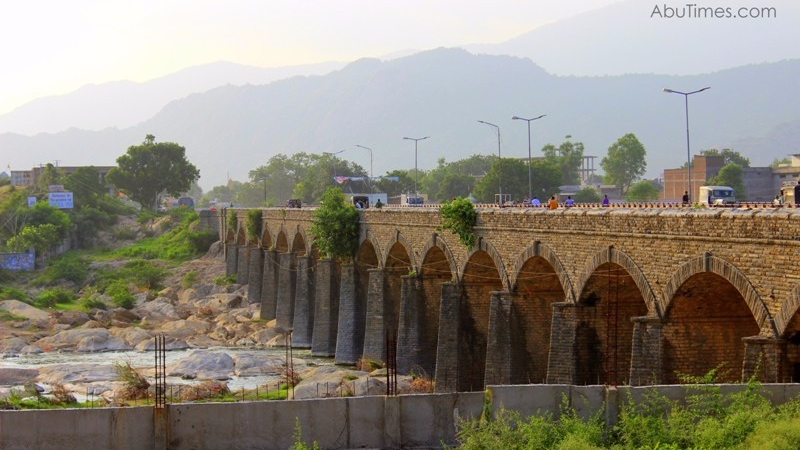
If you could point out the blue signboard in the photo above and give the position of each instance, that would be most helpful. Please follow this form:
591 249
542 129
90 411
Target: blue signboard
62 200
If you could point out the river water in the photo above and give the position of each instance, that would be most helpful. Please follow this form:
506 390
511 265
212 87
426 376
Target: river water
146 360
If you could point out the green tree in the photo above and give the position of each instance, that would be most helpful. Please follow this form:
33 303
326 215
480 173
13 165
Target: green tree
781 162
49 175
150 169
625 162
514 176
86 186
335 225
642 191
732 175
393 188
40 237
729 156
587 195
568 156
456 184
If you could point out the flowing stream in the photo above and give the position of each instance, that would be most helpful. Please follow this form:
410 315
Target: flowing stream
146 360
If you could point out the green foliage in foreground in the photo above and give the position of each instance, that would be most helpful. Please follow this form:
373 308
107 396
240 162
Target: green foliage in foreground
706 420
335 225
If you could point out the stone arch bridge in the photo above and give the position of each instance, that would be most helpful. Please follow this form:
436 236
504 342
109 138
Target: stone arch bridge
576 296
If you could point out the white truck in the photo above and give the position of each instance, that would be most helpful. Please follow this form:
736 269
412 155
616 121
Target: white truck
716 195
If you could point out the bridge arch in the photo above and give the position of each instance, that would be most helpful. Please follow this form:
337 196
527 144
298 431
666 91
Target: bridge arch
397 240
788 324
612 291
710 309
709 263
611 255
266 238
539 280
299 241
371 242
543 251
282 240
437 245
483 246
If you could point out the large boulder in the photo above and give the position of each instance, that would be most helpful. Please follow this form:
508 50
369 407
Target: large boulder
76 373
159 310
25 310
83 340
204 365
132 335
13 345
183 329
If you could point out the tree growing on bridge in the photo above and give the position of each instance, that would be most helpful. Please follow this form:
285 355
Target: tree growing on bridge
625 162
335 225
459 216
151 168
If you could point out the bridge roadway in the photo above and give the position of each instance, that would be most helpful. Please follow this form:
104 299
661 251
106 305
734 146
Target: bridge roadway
585 295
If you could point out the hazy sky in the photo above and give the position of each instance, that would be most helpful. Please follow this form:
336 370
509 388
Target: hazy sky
53 47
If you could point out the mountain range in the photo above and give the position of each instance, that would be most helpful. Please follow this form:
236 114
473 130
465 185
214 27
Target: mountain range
442 93
232 118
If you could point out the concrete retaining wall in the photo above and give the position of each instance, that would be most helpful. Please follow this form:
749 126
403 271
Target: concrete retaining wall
336 423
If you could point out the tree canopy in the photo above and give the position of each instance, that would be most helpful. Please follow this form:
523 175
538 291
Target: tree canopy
150 169
732 175
729 156
642 191
335 225
625 162
568 156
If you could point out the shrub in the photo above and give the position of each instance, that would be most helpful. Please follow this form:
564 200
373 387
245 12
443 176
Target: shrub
120 294
136 385
189 279
12 293
201 240
252 224
223 280
49 297
459 216
68 267
335 225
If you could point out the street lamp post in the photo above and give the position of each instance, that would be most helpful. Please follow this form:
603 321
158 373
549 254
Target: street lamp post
499 160
530 169
688 152
369 180
416 140
334 161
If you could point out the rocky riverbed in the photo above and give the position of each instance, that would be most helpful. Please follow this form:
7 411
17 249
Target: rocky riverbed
208 331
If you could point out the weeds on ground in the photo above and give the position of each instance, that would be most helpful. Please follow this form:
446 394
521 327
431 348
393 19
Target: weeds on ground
299 444
136 385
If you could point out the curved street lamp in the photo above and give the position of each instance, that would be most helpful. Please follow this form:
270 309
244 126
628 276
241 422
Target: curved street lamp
499 159
688 152
530 169
416 140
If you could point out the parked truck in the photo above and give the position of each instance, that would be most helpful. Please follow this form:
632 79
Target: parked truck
716 195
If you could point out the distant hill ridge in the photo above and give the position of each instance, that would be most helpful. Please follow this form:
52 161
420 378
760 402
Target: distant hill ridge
229 130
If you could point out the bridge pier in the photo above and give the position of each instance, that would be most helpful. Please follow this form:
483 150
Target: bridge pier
255 277
352 319
287 282
410 323
762 360
326 313
269 285
380 318
561 361
243 264
231 258
646 354
303 322
499 358
447 361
